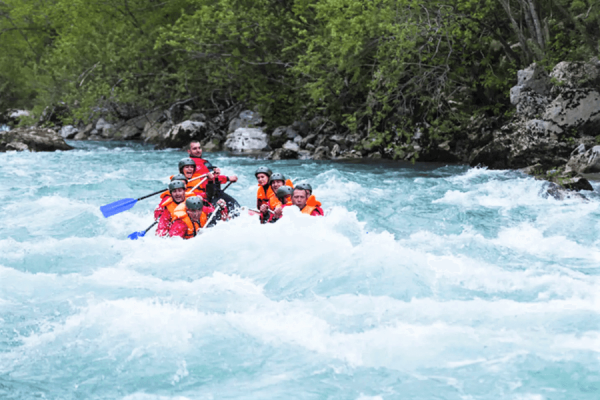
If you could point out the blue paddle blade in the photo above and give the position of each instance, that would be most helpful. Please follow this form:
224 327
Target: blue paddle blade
117 207
136 235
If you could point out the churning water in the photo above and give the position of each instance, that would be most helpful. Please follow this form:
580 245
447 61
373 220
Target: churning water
423 282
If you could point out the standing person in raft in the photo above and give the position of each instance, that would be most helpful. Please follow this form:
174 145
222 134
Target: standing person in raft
215 179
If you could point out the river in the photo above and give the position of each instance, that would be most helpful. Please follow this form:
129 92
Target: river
424 281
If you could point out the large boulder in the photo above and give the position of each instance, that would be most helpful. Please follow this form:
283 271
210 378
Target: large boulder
68 131
182 134
32 139
575 109
530 95
585 162
247 140
576 75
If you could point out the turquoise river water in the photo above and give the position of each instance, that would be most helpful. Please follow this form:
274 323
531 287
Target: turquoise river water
423 282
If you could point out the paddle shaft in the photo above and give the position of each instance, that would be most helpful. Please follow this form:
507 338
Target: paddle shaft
160 191
150 227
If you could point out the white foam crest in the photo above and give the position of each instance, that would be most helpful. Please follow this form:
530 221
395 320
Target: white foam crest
337 189
528 239
471 274
505 194
477 173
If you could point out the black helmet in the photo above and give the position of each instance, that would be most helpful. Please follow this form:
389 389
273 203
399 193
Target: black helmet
263 170
284 191
184 162
179 177
194 203
304 186
176 184
276 177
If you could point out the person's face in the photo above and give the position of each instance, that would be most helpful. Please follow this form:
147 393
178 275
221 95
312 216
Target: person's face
262 179
195 150
178 195
194 215
188 171
299 198
276 185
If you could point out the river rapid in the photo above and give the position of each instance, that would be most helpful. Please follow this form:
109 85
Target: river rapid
423 282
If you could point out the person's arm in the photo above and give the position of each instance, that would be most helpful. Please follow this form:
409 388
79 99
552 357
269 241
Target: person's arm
178 228
163 224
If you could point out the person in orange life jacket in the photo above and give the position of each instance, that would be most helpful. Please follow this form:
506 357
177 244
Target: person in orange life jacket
164 196
284 195
169 204
277 180
187 168
299 199
190 216
311 201
264 192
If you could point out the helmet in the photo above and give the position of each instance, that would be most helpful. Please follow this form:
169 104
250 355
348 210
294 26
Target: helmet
263 170
176 184
284 191
304 186
179 177
276 177
184 162
194 203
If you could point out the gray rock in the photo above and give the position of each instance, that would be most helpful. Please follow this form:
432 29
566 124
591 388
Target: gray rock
247 140
246 119
68 132
310 147
575 108
301 127
284 154
279 131
291 133
321 153
182 134
338 139
81 136
585 163
298 140
542 127
154 133
335 151
304 155
290 145
32 139
197 117
308 140
130 132
575 75
375 155
212 145
100 124
534 78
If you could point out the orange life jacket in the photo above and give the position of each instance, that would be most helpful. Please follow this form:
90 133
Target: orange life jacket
180 213
262 197
311 205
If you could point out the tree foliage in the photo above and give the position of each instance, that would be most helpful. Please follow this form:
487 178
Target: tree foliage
382 67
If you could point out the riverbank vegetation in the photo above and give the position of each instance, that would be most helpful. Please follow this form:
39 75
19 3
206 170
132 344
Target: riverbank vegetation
386 67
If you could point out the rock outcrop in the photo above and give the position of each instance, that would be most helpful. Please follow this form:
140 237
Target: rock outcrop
32 139
247 140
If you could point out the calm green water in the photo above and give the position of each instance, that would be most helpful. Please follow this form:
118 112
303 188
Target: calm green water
423 282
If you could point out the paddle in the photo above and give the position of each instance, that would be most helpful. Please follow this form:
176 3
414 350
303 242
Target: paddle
119 206
140 234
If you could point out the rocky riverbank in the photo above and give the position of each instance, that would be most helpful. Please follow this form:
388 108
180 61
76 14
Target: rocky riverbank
553 132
